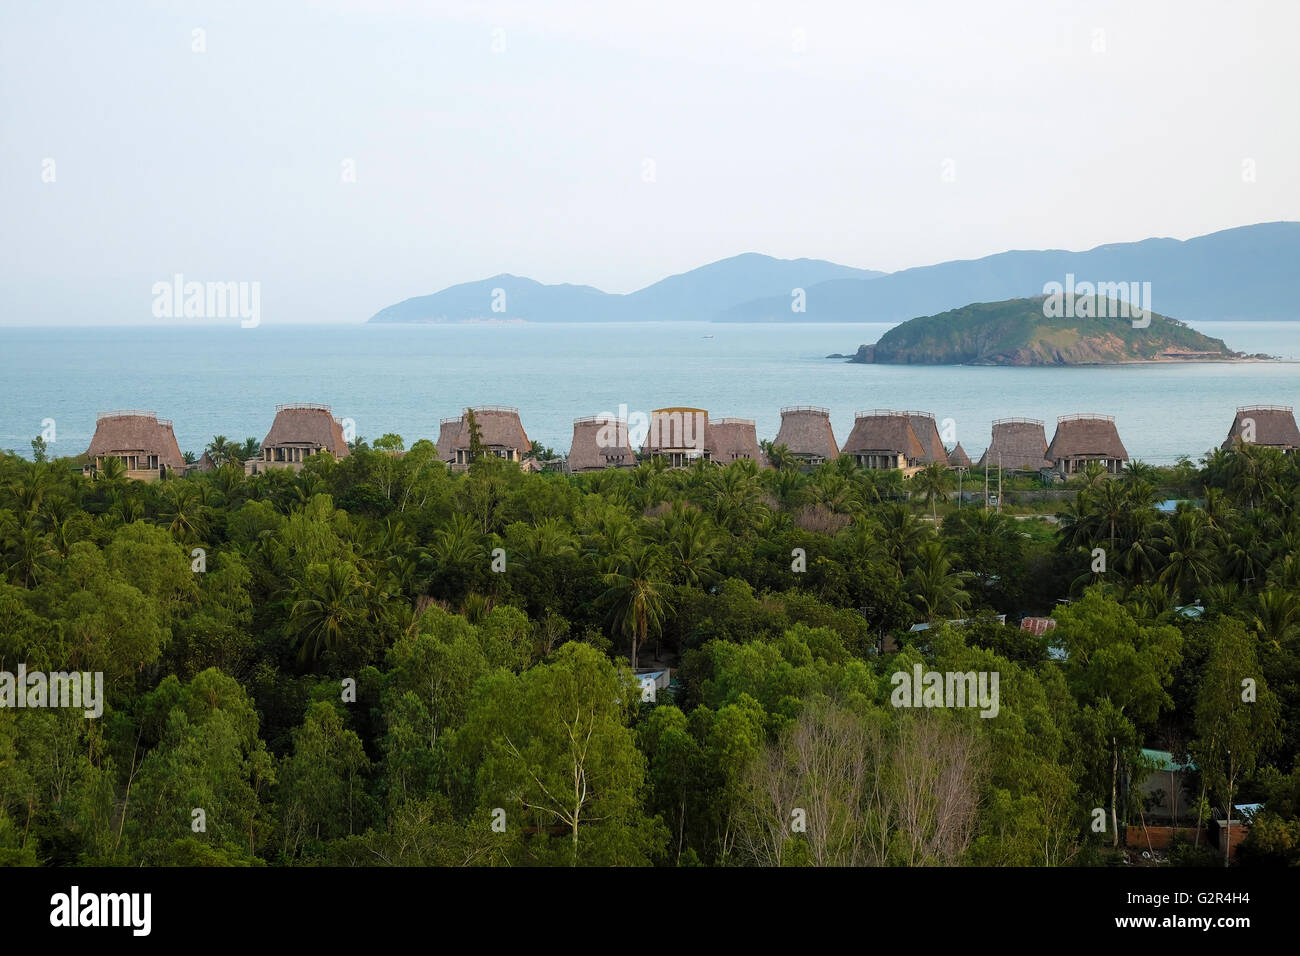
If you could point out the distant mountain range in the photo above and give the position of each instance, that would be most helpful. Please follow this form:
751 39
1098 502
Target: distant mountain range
1245 273
695 296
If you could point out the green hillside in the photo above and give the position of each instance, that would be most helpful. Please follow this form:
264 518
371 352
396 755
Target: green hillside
1016 332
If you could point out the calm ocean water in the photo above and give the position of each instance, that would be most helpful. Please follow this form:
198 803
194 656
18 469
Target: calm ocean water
402 379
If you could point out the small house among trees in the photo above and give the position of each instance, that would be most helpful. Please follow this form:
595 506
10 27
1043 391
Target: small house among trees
886 440
599 442
806 432
143 442
1085 438
482 430
298 432
1018 444
679 435
1273 426
733 439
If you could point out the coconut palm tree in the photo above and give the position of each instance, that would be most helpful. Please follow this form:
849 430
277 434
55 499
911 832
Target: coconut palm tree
1094 475
222 450
1276 615
734 496
835 492
789 487
779 456
327 602
113 472
636 594
183 511
1189 562
691 545
931 484
1138 470
901 535
28 552
937 590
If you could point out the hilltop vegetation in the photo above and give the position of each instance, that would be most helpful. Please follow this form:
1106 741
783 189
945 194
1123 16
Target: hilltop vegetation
340 666
1016 332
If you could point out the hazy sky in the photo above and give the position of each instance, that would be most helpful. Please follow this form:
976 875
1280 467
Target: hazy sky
519 137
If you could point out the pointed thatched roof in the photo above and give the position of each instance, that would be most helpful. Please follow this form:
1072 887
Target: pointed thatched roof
1086 436
600 441
312 426
448 438
499 427
1274 426
958 457
679 428
1018 444
733 439
928 433
806 431
882 431
136 432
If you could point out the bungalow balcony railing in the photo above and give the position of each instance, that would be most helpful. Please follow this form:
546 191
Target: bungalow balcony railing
1265 408
313 406
1085 417
806 408
882 413
509 409
133 413
1017 421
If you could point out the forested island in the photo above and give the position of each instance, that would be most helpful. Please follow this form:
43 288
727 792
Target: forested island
1093 331
376 661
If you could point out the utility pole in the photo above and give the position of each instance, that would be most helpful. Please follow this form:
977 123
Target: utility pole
999 483
986 488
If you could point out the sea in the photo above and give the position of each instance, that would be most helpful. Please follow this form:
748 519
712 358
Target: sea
227 380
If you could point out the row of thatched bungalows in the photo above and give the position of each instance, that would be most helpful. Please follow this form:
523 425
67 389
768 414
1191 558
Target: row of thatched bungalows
146 444
882 439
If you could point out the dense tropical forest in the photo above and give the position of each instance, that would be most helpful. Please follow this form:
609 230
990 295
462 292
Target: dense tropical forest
376 661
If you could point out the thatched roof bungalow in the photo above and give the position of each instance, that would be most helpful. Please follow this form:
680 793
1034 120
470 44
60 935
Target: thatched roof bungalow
298 432
679 434
733 439
1018 444
806 432
1082 438
885 439
500 431
928 434
1271 425
143 442
599 442
957 458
